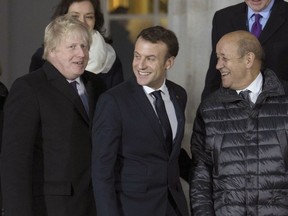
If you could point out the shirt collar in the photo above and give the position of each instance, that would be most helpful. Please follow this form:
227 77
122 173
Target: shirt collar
264 13
163 88
255 86
77 80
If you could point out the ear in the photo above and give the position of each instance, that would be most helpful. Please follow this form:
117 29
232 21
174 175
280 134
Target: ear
169 62
250 59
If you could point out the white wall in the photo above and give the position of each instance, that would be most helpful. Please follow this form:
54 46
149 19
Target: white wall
191 20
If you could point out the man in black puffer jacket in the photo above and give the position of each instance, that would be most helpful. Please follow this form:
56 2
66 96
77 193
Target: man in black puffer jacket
239 147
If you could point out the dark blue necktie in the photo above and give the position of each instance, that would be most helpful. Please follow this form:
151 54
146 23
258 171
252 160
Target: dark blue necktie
256 27
74 85
83 97
245 96
163 119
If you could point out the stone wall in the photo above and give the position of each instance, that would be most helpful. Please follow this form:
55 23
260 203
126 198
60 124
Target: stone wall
191 20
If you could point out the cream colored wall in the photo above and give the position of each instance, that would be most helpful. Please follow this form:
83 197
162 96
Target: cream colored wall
191 20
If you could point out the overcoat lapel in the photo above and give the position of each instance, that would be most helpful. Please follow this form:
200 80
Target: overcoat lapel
91 92
59 82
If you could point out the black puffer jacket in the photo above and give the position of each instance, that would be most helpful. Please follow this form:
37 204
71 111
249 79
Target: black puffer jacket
240 154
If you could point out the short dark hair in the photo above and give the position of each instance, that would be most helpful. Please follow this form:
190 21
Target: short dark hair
157 34
63 6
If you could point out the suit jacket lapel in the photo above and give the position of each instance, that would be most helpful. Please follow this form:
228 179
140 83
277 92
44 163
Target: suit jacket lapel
180 118
239 22
59 82
141 99
91 91
145 106
275 21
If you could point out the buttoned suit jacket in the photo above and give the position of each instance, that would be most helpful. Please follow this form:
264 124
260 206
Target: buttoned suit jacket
273 39
46 149
131 168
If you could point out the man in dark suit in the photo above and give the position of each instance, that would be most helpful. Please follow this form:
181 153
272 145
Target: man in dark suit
46 149
273 38
134 159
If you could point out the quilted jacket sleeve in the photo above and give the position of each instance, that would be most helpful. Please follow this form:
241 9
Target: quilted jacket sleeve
201 201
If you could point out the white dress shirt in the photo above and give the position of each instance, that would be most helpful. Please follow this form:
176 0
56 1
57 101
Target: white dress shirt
168 105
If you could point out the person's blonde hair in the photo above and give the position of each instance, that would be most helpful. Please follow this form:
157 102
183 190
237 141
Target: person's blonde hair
59 28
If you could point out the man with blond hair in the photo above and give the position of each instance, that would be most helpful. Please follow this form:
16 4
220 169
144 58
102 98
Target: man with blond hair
46 150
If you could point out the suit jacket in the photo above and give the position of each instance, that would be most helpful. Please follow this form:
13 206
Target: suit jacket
273 39
46 149
132 171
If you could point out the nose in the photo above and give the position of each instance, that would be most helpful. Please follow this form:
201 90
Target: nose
81 51
142 64
219 64
83 20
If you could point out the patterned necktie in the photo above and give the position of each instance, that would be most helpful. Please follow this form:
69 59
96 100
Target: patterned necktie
163 118
245 96
256 27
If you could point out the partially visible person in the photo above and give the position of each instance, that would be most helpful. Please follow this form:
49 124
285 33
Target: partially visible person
103 59
239 141
46 149
3 96
135 154
121 41
274 23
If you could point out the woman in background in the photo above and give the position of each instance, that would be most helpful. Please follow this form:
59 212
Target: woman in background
103 59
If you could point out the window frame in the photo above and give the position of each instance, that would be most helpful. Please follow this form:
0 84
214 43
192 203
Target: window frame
155 17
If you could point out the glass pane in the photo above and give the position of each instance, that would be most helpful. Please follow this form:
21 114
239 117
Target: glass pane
135 25
163 6
124 33
137 6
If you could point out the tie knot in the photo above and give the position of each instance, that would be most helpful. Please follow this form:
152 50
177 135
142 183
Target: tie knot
256 28
257 17
74 85
157 94
245 94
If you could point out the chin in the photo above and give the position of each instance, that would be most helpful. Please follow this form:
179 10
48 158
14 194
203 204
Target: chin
80 71
225 85
141 81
